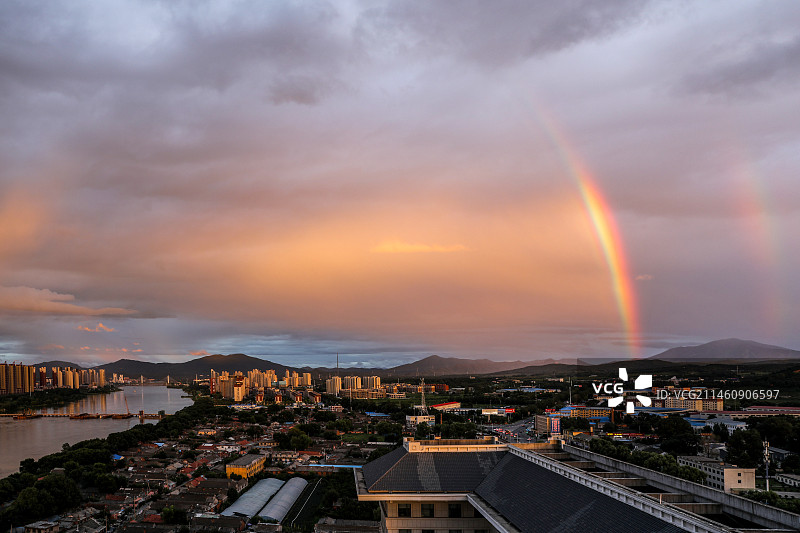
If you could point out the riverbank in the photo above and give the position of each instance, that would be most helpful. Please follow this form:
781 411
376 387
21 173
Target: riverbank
34 438
47 399
37 492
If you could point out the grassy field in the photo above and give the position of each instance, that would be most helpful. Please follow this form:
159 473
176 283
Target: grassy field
358 438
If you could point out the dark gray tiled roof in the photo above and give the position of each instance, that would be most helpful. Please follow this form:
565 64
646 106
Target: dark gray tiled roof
401 471
536 500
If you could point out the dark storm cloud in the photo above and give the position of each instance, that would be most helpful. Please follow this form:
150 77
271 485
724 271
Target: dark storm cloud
243 168
753 59
751 68
165 46
494 34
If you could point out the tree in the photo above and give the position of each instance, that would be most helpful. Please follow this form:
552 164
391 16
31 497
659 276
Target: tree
721 432
344 424
423 431
254 431
325 416
791 465
745 448
172 515
299 440
677 436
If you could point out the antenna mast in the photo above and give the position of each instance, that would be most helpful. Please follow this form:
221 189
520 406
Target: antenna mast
570 390
423 408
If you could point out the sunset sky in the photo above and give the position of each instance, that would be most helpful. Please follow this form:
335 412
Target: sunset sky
389 180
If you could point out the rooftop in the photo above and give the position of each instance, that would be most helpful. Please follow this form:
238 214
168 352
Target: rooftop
246 460
519 490
404 471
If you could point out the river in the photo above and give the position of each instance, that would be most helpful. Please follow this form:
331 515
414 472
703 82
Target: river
20 439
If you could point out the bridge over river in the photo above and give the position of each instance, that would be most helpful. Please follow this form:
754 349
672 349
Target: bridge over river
141 415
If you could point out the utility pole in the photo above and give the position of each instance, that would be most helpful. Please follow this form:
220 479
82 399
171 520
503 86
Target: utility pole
766 464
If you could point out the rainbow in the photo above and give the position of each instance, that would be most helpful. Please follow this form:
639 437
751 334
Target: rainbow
754 206
606 230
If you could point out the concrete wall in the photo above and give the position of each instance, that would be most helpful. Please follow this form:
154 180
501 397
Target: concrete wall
470 519
732 504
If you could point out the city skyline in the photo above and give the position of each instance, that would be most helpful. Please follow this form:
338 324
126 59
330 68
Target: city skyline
387 181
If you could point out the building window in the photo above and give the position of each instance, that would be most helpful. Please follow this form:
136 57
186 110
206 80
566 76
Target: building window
455 531
404 531
404 510
428 531
427 510
454 511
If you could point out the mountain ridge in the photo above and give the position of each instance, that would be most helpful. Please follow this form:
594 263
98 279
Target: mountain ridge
724 350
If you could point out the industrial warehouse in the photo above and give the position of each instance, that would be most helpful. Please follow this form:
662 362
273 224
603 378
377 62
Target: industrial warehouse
270 499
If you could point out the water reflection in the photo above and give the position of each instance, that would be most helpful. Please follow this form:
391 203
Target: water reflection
20 439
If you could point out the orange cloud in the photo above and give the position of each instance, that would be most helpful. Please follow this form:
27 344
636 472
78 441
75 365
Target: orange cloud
199 353
100 327
400 247
52 347
44 301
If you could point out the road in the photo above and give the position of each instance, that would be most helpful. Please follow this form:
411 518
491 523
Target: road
516 432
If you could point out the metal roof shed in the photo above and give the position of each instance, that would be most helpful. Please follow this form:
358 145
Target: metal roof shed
254 499
280 504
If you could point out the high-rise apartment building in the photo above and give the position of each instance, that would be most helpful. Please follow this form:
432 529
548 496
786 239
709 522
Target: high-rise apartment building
372 382
351 382
333 385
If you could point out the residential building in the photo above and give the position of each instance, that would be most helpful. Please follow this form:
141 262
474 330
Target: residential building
722 476
372 382
333 385
415 420
547 424
351 382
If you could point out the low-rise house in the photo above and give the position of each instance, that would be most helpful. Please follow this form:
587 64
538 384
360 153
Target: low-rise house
42 526
283 456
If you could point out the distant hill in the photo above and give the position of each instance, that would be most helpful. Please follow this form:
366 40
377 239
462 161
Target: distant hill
734 350
430 366
451 366
61 364
731 351
237 362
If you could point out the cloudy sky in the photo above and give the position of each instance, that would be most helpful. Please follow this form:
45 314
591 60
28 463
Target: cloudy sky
389 180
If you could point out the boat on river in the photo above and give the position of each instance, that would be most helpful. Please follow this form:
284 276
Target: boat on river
27 415
84 416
